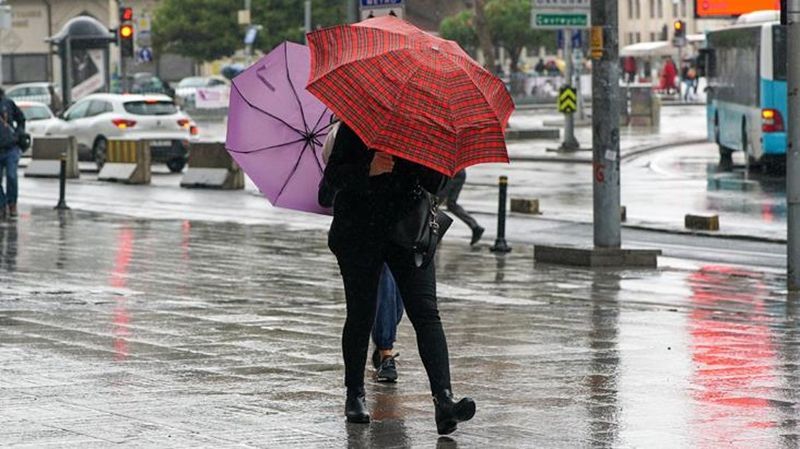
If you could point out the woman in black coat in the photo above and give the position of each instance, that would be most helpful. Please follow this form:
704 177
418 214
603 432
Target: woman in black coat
373 191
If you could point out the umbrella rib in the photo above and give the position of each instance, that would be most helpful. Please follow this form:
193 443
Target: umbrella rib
294 91
271 147
265 112
291 174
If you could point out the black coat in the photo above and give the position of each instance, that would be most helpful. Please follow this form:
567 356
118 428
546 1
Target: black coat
366 208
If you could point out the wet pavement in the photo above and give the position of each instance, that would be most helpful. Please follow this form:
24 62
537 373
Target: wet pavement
144 332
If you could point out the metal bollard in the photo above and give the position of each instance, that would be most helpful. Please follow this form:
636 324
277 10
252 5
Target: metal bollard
62 185
500 245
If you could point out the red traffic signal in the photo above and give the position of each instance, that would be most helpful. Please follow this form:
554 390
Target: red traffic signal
125 14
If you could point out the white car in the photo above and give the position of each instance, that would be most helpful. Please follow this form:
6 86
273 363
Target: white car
38 118
98 117
186 91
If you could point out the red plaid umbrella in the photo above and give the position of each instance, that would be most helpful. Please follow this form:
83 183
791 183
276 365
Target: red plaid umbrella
411 94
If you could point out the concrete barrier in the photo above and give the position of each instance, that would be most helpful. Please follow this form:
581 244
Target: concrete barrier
701 222
211 166
46 155
127 161
525 206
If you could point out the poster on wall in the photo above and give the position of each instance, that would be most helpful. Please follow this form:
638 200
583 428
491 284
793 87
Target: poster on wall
732 8
86 72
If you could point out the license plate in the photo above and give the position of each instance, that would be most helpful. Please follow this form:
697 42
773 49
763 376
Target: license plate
161 143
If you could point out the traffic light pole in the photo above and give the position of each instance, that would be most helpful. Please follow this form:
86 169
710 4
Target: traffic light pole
792 17
570 142
605 126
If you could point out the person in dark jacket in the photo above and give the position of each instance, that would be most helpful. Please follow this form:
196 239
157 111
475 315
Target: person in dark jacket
373 191
449 197
12 125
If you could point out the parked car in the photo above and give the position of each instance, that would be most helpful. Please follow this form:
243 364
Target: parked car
143 83
46 93
98 117
38 119
186 91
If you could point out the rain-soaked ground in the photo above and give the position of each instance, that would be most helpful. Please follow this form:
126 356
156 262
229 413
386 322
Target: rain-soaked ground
122 332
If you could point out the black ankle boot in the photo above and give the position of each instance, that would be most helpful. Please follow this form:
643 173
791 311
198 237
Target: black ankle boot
449 413
355 407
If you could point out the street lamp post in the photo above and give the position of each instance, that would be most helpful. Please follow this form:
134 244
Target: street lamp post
792 17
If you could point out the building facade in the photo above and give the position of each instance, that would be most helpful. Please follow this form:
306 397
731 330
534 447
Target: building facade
27 55
652 20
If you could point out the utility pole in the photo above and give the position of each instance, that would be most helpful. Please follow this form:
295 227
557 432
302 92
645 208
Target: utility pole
605 124
308 18
352 11
792 22
570 142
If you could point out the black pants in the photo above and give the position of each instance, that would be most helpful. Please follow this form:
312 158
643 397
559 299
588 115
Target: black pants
360 266
449 196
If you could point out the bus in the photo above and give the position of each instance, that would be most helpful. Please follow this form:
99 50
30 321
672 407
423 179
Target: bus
745 65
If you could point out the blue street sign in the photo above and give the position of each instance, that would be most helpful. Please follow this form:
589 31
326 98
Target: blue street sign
577 39
368 3
250 36
145 54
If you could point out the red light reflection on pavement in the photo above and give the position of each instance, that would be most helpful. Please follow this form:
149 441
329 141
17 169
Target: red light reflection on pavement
733 354
119 279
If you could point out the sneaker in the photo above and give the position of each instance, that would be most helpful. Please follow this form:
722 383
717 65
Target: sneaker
477 233
387 371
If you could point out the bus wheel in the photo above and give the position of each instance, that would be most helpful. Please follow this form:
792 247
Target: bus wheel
725 158
725 153
747 150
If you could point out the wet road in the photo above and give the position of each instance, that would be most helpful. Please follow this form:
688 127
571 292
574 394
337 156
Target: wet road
138 332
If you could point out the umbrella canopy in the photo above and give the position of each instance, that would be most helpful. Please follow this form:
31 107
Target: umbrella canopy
276 128
411 94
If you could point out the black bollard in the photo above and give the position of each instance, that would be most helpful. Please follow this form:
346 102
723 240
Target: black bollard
500 245
62 185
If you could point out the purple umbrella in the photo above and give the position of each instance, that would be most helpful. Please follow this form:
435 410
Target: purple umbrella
276 128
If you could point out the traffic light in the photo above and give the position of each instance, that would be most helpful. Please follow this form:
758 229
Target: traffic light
125 31
126 40
125 14
680 28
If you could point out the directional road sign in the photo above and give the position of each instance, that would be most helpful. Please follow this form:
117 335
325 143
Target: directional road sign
567 100
555 19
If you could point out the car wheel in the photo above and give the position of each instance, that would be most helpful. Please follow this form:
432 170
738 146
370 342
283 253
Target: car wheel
99 151
176 165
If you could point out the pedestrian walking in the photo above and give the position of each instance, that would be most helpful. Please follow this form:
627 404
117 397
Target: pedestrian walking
390 155
449 197
388 314
12 128
373 191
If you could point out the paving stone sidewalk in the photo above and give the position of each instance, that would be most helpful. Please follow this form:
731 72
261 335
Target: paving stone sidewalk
120 332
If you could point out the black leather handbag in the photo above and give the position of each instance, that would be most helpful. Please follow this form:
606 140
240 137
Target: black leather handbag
422 227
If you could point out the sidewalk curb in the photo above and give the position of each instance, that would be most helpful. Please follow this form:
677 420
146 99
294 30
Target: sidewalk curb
643 227
631 153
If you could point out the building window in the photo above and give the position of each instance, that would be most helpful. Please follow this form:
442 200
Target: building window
638 9
630 38
638 37
674 8
660 9
652 9
652 37
683 8
630 9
